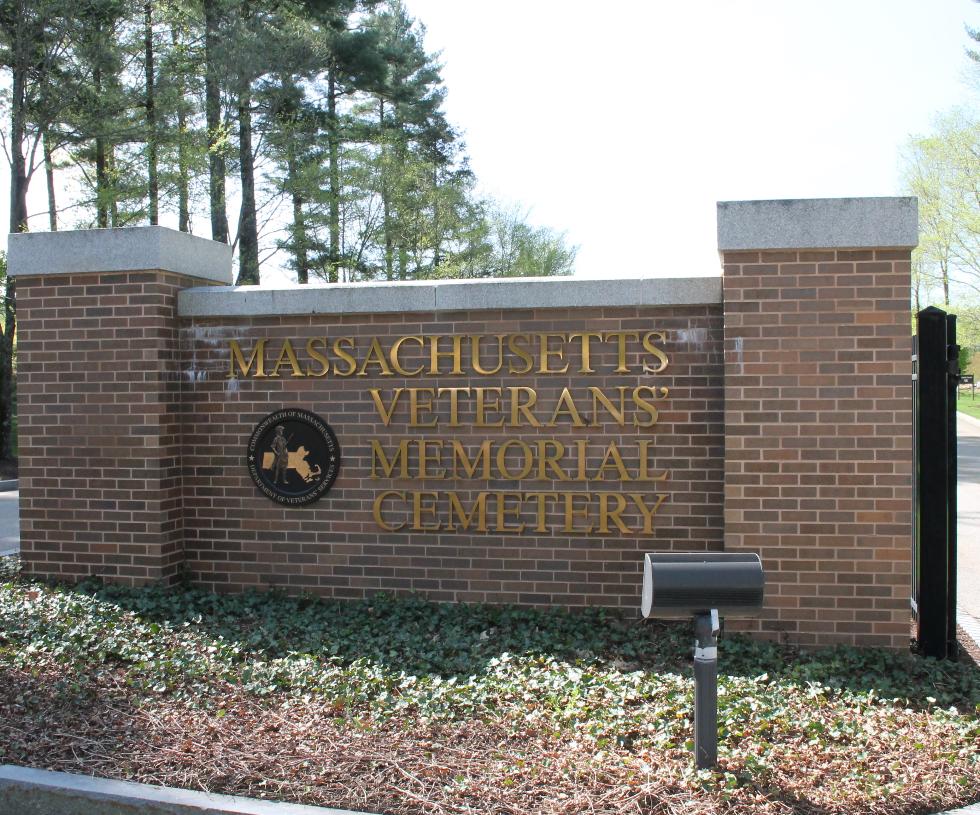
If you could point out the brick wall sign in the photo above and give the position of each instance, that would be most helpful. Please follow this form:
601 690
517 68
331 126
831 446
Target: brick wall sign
525 455
519 441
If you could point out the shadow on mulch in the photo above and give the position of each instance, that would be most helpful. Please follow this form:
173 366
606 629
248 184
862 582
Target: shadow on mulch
969 650
58 721
301 752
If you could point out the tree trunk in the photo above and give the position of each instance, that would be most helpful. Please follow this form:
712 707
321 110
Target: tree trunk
248 238
151 118
299 222
436 235
334 179
183 172
110 163
212 105
101 184
183 176
386 196
18 169
18 223
101 166
49 177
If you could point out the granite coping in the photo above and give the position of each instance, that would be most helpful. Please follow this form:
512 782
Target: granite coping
818 223
126 249
448 295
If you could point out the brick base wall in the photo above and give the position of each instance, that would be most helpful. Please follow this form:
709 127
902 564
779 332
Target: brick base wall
98 388
818 432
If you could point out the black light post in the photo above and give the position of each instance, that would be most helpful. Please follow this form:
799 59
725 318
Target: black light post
703 586
706 628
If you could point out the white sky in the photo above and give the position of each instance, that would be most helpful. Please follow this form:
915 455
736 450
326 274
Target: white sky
622 126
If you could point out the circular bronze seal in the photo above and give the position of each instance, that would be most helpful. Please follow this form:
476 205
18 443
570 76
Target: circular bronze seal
293 456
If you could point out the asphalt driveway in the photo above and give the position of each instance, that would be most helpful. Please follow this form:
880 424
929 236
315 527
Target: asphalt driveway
968 516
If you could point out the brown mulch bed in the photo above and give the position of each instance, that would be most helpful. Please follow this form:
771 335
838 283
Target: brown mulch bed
286 748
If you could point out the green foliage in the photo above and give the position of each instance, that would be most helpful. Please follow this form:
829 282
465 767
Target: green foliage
965 359
520 250
838 725
331 107
943 171
591 673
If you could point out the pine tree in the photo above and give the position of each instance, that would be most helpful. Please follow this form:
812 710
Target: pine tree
102 125
32 38
314 140
214 13
182 144
295 150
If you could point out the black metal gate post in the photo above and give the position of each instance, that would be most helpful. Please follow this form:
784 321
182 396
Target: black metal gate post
934 530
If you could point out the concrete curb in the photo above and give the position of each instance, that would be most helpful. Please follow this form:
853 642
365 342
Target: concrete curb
26 791
9 486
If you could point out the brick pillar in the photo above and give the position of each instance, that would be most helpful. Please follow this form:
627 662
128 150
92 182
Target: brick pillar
98 388
818 412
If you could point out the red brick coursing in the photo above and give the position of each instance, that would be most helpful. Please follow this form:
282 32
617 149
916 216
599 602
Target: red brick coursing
818 432
98 396
236 538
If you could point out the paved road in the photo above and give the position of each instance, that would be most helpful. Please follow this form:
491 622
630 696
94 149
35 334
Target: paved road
9 521
968 527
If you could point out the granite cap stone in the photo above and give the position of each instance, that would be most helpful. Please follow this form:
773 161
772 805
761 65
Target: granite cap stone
818 223
118 250
447 295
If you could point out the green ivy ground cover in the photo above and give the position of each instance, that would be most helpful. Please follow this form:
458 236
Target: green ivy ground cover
836 730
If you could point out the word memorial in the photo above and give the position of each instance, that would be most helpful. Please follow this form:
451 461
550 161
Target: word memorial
557 456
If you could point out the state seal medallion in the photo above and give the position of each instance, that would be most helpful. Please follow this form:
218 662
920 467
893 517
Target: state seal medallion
293 457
